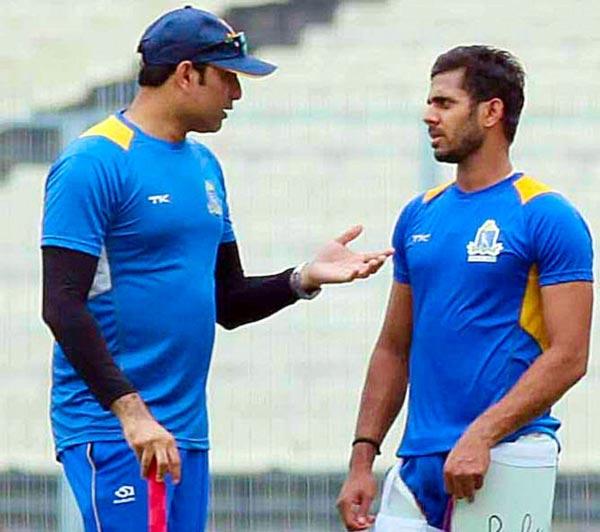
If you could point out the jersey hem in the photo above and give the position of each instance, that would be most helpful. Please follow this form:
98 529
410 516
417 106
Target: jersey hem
445 448
201 444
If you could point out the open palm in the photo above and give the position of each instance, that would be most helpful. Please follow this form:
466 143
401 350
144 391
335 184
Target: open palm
336 263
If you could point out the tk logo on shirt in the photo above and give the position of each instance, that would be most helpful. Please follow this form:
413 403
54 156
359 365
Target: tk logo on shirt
423 237
485 247
157 199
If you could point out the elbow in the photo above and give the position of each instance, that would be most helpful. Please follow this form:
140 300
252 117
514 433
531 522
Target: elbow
229 325
576 365
228 322
224 318
50 316
60 316
580 363
228 314
580 367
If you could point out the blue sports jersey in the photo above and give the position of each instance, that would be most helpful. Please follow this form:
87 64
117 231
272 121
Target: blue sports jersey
475 263
154 212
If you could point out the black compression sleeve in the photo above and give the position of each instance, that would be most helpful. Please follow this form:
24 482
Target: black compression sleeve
67 278
243 299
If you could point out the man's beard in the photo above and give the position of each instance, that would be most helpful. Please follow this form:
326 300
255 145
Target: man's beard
471 140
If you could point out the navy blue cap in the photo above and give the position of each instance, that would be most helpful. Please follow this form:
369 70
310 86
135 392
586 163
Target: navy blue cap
190 34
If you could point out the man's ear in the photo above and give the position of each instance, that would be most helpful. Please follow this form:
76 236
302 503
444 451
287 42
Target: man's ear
186 76
492 112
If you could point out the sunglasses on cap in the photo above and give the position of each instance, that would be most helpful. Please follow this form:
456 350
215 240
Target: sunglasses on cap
234 45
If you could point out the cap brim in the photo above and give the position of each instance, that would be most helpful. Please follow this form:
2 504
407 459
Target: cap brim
248 65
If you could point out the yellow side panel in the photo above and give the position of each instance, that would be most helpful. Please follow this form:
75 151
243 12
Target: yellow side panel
528 188
532 318
113 129
433 192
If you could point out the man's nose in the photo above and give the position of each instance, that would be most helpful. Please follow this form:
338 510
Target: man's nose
430 117
236 89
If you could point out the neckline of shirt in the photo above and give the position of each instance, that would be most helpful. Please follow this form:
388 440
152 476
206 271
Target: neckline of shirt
502 182
171 145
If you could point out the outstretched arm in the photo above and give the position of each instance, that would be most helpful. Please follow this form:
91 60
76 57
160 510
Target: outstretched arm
242 299
382 398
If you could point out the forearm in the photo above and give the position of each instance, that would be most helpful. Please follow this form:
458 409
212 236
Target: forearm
249 299
382 398
86 350
540 387
130 408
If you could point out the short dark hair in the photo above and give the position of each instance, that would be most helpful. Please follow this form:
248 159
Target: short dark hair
156 75
489 73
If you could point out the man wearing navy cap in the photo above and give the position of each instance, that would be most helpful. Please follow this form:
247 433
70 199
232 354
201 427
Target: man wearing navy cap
139 262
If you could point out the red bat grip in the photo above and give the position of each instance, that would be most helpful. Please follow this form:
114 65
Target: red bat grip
157 502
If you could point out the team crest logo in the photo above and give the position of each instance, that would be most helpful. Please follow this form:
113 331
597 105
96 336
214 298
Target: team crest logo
213 204
485 247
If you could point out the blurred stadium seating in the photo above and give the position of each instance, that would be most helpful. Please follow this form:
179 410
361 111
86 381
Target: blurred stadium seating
332 139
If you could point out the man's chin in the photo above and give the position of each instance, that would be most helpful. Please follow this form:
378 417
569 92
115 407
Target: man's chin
217 126
446 157
208 128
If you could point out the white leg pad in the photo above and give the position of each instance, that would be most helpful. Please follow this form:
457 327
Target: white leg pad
518 490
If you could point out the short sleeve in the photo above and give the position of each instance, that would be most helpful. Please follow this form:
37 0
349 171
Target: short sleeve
401 274
560 240
228 234
79 203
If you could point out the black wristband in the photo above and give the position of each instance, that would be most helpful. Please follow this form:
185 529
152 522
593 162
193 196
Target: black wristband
370 441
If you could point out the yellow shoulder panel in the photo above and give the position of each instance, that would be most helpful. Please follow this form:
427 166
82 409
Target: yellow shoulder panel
433 192
113 129
529 188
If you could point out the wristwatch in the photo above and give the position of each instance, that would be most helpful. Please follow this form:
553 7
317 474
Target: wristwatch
296 283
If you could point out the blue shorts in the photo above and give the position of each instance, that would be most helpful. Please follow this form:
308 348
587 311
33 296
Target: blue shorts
105 478
424 477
